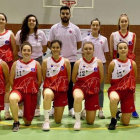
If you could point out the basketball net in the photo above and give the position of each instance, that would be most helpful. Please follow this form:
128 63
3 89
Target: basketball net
70 3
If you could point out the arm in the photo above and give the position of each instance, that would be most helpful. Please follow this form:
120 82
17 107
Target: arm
79 44
44 48
5 70
75 71
44 68
68 67
14 48
49 44
111 45
39 74
12 73
110 70
101 70
134 44
135 68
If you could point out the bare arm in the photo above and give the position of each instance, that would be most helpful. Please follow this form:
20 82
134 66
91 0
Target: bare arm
135 68
44 68
110 70
134 44
101 70
39 74
75 71
68 67
111 45
79 44
49 44
44 48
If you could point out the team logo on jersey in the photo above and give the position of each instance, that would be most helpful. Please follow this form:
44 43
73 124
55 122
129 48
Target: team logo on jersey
95 69
21 67
101 42
120 39
84 66
88 32
33 69
62 68
7 42
130 43
70 31
130 67
51 65
119 65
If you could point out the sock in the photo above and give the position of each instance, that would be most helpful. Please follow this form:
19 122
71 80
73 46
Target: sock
46 114
6 107
77 116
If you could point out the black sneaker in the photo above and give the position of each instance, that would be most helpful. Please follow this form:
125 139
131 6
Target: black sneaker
118 115
112 125
16 126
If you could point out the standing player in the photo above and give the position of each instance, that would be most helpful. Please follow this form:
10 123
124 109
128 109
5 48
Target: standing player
56 74
124 35
30 32
25 79
100 48
122 73
7 53
87 75
70 36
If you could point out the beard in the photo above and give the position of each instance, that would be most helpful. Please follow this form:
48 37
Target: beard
65 20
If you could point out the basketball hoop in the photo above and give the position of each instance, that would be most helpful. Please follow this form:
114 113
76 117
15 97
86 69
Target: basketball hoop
70 3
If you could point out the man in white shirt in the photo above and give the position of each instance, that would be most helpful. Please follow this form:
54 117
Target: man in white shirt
70 36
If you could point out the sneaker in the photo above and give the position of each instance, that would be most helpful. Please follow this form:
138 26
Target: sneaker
83 114
135 114
101 115
16 126
37 113
46 125
20 113
118 115
112 125
7 116
51 113
71 112
77 126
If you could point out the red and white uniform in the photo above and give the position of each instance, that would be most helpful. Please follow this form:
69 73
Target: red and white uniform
6 53
128 38
123 82
88 80
26 77
2 88
56 75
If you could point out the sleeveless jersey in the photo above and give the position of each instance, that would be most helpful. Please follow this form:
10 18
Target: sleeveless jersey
26 77
128 38
88 78
6 53
2 80
56 75
123 77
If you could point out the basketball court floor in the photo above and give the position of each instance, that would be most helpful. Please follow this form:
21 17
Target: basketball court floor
64 131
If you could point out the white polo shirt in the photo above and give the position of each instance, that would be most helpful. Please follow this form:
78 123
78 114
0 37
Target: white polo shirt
36 43
69 36
100 46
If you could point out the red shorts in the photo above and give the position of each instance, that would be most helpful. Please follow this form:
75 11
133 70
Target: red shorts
91 100
30 102
60 98
1 101
10 64
126 100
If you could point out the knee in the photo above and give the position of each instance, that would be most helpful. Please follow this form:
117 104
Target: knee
125 122
114 100
90 122
13 99
47 96
27 123
78 99
57 120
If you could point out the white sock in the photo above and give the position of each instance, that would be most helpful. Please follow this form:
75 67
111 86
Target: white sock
46 114
77 116
6 107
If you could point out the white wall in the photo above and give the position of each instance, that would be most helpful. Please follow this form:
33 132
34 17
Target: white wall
107 11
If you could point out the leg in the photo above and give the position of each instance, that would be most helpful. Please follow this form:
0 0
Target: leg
78 98
58 113
48 97
90 117
135 114
125 118
27 123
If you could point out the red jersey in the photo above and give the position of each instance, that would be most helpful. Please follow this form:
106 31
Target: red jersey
56 75
26 77
2 80
123 77
128 38
88 78
6 53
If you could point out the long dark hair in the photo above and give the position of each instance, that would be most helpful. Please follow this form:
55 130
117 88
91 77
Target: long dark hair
25 29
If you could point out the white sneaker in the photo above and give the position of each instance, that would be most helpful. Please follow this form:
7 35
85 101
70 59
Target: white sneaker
37 113
71 112
101 115
83 114
77 126
20 113
51 113
46 125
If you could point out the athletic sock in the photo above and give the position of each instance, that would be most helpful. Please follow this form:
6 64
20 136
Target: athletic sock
6 107
77 116
46 114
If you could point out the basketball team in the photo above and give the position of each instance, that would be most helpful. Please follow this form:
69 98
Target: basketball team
66 80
